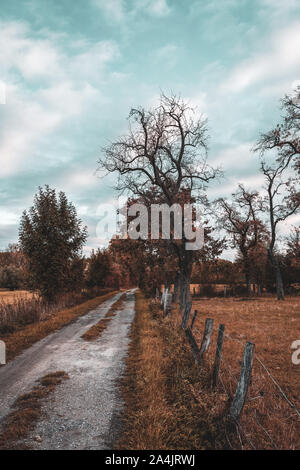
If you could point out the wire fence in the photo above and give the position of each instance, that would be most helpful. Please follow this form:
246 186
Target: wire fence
262 419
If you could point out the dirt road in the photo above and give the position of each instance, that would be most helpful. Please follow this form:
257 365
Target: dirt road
83 412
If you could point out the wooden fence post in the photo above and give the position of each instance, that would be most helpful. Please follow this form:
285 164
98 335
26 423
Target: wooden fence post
186 314
193 344
218 355
163 297
209 323
193 319
2 353
243 383
167 303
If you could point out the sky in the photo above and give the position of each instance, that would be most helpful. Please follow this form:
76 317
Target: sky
71 70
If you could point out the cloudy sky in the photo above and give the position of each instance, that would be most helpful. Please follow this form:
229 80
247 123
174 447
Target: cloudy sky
71 70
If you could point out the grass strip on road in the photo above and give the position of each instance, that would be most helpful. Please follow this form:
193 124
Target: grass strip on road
27 411
96 330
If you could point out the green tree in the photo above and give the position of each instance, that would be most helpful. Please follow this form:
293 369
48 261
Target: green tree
51 237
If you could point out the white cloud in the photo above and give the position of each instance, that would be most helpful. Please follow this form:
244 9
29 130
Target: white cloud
280 58
166 55
67 86
8 217
113 9
237 157
158 7
80 178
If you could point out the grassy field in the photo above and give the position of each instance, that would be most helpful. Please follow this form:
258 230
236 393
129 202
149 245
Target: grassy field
272 326
8 296
25 336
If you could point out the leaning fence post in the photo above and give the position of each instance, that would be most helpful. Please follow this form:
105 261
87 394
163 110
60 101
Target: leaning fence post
243 383
167 303
218 355
209 323
186 314
193 319
193 343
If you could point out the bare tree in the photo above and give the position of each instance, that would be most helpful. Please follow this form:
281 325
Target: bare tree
164 151
283 198
285 137
240 220
281 201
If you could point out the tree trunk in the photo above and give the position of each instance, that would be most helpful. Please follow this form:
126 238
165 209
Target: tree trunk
258 289
185 295
278 277
248 283
279 284
247 273
176 288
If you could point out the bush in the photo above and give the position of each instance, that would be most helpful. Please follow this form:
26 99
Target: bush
10 278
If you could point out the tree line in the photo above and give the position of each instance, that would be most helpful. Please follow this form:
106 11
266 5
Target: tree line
163 159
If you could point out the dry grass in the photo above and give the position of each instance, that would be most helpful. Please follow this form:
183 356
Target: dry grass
272 326
161 409
27 411
21 312
24 310
24 337
8 296
96 330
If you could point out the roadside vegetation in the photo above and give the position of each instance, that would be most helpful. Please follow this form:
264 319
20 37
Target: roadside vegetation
25 336
161 411
27 409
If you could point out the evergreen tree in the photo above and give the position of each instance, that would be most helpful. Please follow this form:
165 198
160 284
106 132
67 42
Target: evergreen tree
51 237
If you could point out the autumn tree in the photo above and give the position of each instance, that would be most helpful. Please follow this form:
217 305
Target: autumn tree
281 200
292 258
240 218
99 268
51 237
164 151
282 145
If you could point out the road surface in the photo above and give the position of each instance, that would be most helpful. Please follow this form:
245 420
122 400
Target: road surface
83 412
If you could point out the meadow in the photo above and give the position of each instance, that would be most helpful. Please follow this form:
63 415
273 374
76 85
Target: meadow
268 421
9 297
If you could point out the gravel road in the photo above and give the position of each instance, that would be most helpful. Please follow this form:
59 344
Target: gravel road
83 412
